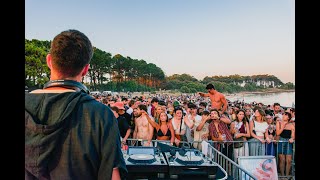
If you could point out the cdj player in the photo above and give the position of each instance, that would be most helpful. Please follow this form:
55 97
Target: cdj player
188 162
145 162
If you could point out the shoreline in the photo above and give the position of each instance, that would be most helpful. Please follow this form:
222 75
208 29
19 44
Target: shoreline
262 92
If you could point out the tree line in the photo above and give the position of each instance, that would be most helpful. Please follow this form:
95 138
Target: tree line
119 73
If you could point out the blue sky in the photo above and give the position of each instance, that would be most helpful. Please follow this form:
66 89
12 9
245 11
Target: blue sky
197 37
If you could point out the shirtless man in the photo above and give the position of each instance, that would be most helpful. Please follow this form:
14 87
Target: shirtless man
143 129
218 100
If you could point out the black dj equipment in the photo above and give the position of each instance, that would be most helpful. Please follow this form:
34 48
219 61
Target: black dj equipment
145 162
187 161
70 84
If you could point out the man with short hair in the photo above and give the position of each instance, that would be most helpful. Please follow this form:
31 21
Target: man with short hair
154 105
218 100
68 134
143 129
277 110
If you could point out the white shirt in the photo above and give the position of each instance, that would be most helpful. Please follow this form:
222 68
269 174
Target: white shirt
129 111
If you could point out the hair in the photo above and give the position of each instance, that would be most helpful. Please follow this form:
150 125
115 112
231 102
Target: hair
177 108
205 112
191 105
167 120
203 104
131 102
216 110
244 120
115 108
262 113
289 115
162 103
142 107
154 100
210 86
105 101
276 104
70 50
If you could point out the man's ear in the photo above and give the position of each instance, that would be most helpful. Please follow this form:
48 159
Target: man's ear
85 70
49 62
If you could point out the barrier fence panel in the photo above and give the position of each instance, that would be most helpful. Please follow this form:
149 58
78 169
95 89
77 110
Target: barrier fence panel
233 170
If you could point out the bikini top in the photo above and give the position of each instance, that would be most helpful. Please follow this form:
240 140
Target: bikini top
160 133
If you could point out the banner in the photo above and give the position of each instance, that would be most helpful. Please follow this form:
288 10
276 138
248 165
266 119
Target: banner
261 167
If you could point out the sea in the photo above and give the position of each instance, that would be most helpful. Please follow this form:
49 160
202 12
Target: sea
286 99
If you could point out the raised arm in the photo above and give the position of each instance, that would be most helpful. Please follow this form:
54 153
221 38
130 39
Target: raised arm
279 127
225 119
150 128
152 122
203 121
187 122
203 94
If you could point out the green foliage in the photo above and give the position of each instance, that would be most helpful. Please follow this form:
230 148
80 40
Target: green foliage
119 73
36 70
184 89
288 85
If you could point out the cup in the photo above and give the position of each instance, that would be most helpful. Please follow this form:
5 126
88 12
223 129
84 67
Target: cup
223 137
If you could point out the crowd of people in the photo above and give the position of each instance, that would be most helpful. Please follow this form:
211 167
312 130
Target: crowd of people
238 128
70 134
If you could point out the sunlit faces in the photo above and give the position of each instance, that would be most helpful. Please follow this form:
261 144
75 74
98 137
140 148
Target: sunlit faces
269 119
276 108
163 116
248 112
286 116
240 115
257 113
164 108
139 112
159 109
135 112
178 114
193 110
214 115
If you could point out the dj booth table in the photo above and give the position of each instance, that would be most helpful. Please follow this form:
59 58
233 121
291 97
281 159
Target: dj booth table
153 163
145 162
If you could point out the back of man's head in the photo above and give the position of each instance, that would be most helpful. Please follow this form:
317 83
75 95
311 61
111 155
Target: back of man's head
70 50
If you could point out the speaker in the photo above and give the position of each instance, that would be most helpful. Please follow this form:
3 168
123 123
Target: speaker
70 84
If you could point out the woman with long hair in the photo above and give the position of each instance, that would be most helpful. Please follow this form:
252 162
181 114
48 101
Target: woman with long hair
239 128
164 129
286 131
178 125
258 130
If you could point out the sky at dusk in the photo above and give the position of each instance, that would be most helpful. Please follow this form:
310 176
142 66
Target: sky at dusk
196 37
